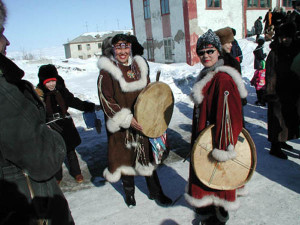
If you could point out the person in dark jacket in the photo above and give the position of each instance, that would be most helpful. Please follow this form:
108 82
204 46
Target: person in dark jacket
282 91
236 50
259 54
58 99
268 20
30 152
258 27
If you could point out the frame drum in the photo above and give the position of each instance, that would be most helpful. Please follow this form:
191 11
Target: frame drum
227 175
154 108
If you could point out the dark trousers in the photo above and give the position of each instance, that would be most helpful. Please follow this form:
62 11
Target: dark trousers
73 165
153 184
260 96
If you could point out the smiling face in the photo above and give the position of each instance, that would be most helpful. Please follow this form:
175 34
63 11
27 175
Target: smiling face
122 51
209 56
227 47
3 42
51 85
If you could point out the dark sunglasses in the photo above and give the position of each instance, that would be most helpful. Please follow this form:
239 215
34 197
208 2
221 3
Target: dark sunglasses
209 52
123 45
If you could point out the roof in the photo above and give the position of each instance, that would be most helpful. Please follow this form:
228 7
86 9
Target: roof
96 36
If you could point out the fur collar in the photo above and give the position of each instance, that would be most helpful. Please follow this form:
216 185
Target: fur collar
108 65
197 95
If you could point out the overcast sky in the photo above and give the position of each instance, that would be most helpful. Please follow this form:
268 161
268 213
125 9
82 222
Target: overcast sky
35 24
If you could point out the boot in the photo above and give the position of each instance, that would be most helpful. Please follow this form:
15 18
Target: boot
128 186
276 151
156 192
286 146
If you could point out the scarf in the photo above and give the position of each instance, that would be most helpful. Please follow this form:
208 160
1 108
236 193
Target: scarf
55 97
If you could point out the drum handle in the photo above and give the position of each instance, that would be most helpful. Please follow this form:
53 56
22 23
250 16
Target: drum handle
226 122
158 75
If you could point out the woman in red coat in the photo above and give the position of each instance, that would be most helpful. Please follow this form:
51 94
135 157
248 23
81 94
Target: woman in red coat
216 84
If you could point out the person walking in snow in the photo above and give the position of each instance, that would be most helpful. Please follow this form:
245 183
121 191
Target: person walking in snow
30 152
215 86
122 77
282 91
258 27
57 98
236 50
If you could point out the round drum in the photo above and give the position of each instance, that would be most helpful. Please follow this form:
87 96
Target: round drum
154 108
227 175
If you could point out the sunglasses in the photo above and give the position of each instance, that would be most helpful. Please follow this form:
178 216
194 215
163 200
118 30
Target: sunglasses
123 46
209 52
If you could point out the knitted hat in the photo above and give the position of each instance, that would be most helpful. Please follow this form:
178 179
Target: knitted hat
225 35
47 73
2 14
206 39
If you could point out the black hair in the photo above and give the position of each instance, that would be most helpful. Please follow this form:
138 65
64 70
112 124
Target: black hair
136 47
120 37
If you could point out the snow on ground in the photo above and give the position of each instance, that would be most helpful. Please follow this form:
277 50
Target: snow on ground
274 190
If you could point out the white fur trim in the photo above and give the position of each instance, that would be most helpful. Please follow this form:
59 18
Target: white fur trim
197 95
211 200
222 155
120 119
108 65
127 170
242 191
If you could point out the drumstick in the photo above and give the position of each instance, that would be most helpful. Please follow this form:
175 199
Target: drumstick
158 75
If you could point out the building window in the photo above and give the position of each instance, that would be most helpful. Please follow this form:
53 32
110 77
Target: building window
259 3
99 45
168 49
80 57
164 4
146 9
213 3
88 47
287 3
79 47
89 56
150 50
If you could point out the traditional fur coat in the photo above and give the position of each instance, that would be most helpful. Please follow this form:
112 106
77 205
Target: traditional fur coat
208 96
129 152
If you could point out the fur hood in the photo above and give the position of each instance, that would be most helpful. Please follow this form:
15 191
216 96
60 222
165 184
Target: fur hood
197 95
105 63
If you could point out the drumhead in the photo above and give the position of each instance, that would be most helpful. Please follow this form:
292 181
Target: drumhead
154 108
227 175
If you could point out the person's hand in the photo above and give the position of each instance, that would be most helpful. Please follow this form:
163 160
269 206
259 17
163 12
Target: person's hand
134 124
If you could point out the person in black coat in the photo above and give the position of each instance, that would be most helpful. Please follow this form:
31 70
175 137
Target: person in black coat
236 50
258 27
259 54
30 152
58 99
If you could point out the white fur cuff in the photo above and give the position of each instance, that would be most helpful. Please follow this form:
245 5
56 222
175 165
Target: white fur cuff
120 119
222 155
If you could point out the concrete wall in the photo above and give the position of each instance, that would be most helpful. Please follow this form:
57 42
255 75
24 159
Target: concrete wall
84 53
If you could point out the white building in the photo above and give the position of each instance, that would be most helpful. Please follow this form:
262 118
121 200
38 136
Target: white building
169 29
88 44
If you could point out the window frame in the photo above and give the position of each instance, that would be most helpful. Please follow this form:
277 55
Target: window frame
79 47
168 49
163 9
88 47
99 45
287 7
213 7
150 50
146 6
259 5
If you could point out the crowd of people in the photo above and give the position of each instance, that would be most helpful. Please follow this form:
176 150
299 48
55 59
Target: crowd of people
36 122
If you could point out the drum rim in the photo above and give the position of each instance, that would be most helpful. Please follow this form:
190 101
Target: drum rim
251 171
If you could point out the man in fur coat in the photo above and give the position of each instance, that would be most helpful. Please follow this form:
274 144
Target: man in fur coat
215 86
282 91
30 152
122 77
